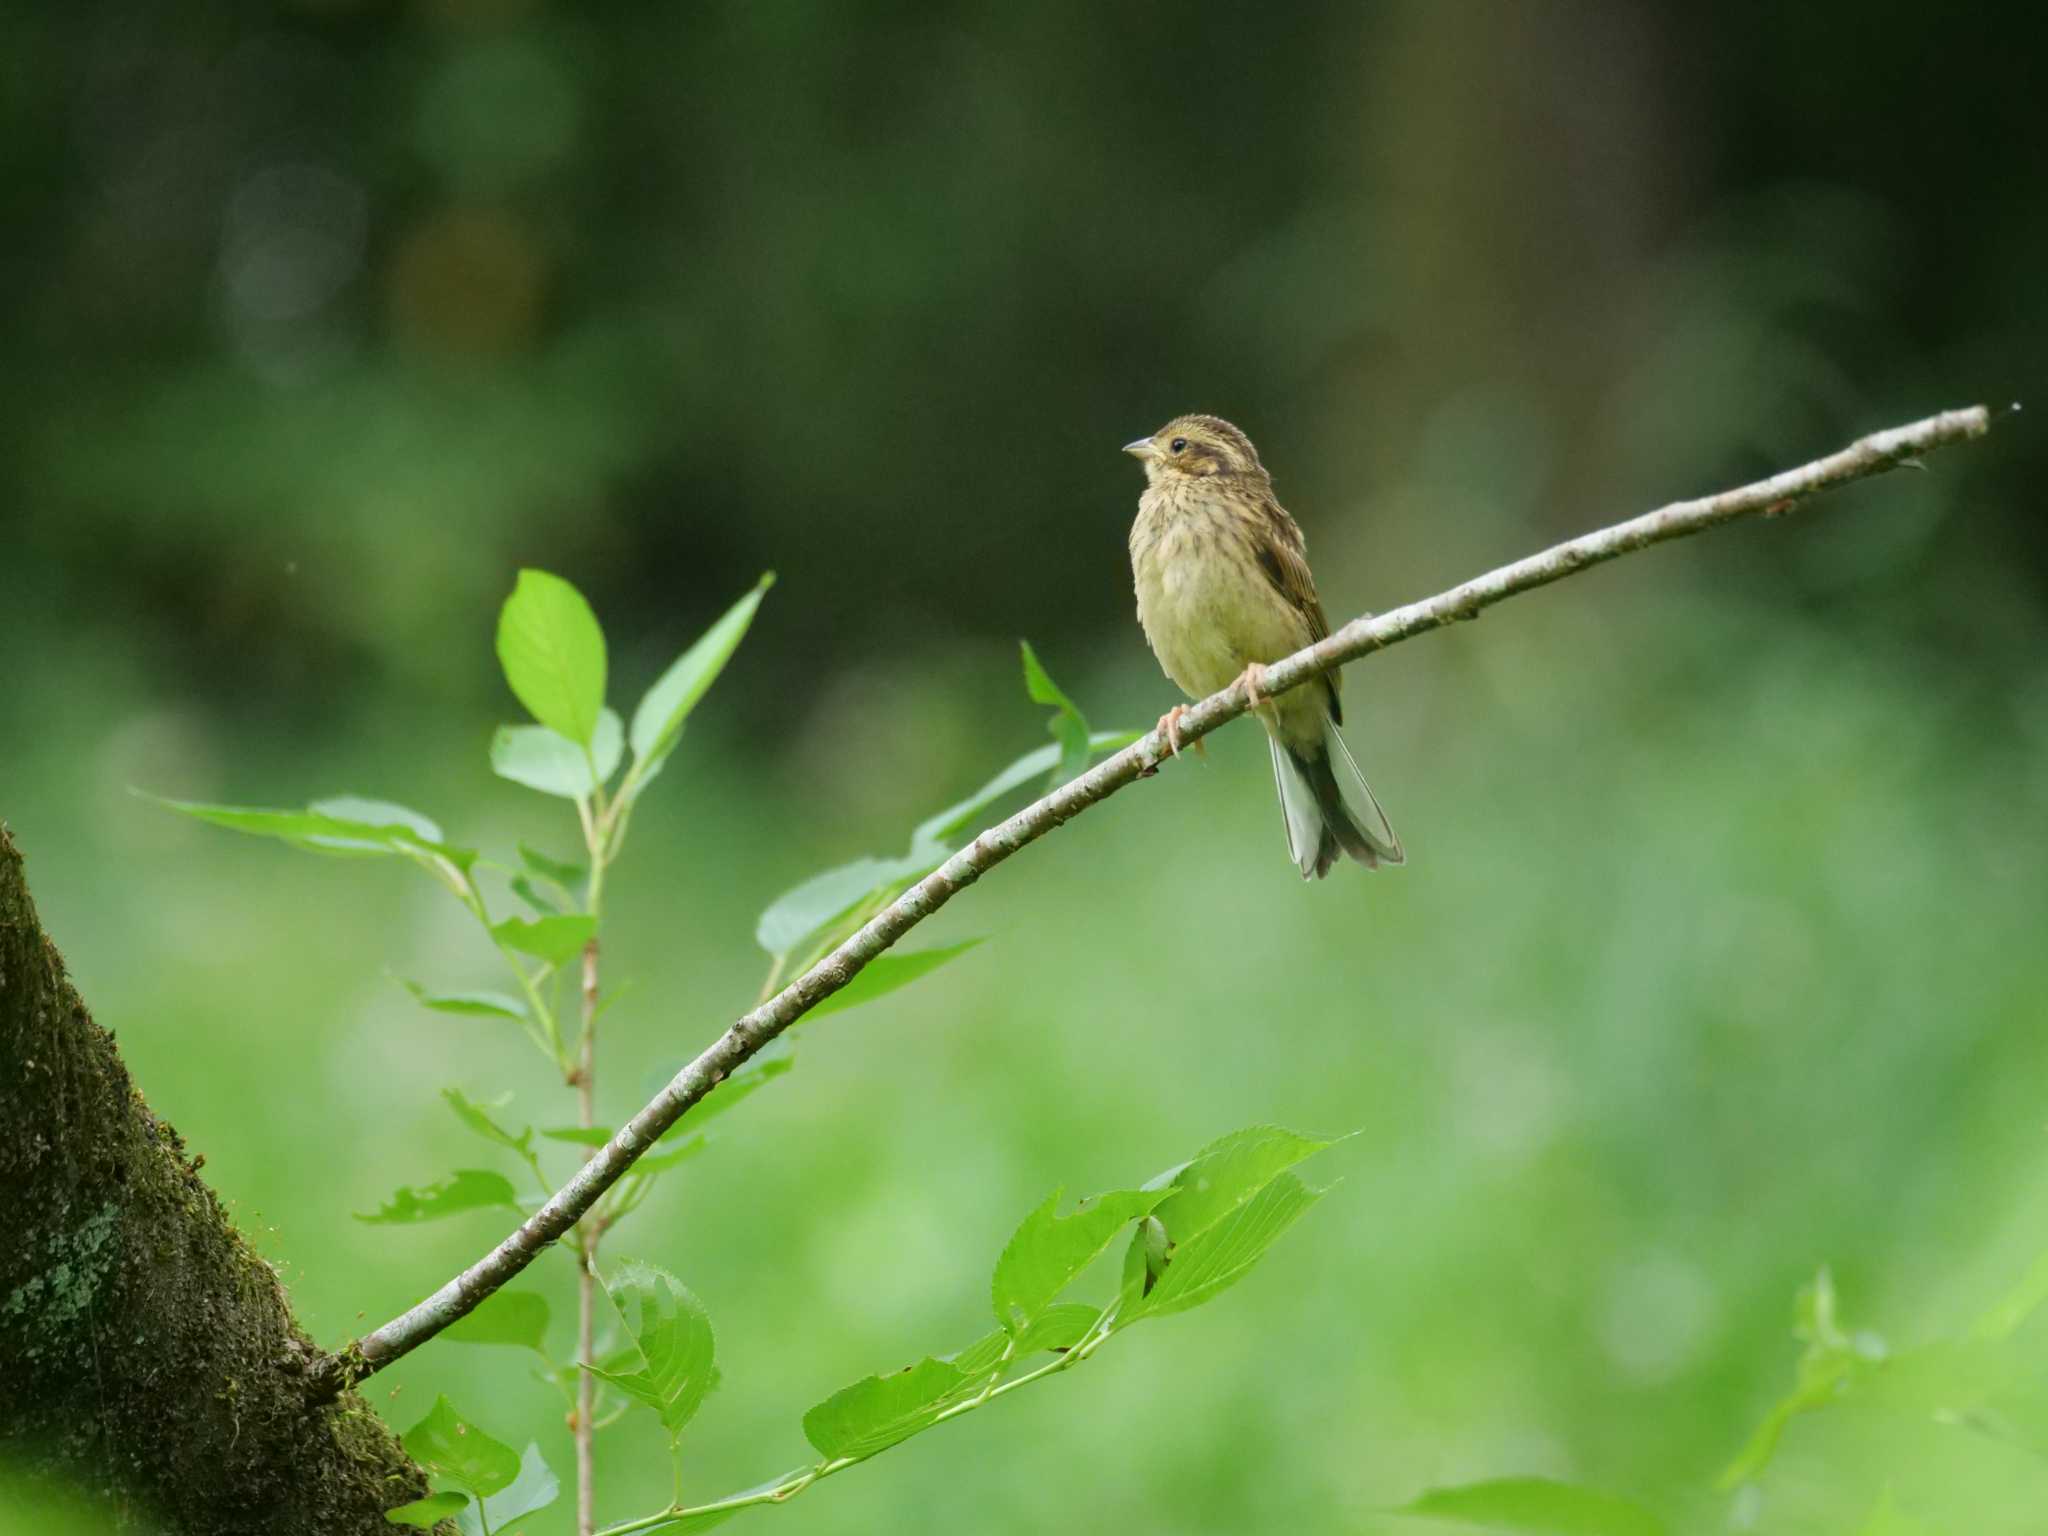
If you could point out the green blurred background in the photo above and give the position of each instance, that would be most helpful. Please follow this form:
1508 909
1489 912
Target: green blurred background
1720 952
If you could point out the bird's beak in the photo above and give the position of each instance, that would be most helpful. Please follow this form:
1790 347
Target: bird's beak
1141 449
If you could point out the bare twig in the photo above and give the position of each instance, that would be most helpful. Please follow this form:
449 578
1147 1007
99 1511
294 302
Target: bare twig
1866 457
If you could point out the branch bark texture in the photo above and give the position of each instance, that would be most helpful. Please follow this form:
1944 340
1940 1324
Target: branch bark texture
1780 493
146 1355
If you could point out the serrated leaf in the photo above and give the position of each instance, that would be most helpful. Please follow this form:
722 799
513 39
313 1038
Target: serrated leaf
878 1412
1069 727
552 650
1047 1251
468 1189
658 719
1225 1174
425 1514
885 973
535 1488
451 1449
1535 1506
556 940
550 762
561 871
981 1357
504 1317
673 1333
494 1005
1060 1326
1204 1266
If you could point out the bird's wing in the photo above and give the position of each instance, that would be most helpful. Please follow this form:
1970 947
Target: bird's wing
1283 556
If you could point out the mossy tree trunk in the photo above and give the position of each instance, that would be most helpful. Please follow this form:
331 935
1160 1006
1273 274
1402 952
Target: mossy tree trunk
146 1354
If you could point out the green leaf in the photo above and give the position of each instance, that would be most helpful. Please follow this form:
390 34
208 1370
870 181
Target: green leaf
560 871
469 1189
581 1135
1536 1506
673 1333
345 825
1068 725
550 762
504 1317
478 1118
529 893
428 1512
536 1487
660 1162
740 1086
388 817
1060 1326
658 720
884 974
1204 1266
493 1005
939 830
1231 1202
459 1452
1048 1251
1225 1174
750 1078
876 1413
552 650
981 1357
556 940
804 909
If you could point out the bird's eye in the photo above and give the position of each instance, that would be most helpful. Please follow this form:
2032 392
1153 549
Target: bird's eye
1180 445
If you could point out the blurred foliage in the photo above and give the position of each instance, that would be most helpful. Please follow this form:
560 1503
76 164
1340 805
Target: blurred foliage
1718 961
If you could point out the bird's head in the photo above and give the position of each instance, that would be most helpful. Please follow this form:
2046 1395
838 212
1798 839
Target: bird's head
1190 446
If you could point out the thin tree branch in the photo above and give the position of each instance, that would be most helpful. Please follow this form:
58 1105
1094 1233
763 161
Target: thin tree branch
1868 456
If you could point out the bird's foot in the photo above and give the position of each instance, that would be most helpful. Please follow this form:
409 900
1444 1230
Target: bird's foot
1169 727
1254 679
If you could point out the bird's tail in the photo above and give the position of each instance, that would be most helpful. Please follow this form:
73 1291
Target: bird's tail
1329 809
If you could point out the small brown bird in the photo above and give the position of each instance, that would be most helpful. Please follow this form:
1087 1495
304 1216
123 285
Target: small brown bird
1224 588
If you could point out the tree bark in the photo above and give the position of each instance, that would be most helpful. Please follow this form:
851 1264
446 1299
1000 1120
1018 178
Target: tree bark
147 1356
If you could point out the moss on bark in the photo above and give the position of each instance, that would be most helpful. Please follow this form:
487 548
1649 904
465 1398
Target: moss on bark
146 1354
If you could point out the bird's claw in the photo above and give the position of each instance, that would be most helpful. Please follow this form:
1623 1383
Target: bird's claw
1254 679
1169 727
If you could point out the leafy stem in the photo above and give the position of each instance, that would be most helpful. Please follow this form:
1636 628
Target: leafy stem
783 1489
591 1229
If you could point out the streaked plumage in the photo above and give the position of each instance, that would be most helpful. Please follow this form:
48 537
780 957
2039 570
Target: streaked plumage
1223 585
